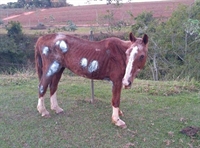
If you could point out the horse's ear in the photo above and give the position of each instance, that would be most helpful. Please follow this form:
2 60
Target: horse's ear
145 39
132 37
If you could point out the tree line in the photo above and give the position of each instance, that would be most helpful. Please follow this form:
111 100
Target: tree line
36 4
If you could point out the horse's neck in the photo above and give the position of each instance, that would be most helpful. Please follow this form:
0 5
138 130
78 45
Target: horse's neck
125 45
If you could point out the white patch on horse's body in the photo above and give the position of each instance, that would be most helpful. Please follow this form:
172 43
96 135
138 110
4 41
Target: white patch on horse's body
54 104
53 68
93 66
84 62
45 50
97 49
57 43
63 46
41 89
130 66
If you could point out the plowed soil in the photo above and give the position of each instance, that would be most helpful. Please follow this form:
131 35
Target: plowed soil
93 14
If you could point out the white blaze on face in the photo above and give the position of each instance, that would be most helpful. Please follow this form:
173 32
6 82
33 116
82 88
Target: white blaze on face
129 66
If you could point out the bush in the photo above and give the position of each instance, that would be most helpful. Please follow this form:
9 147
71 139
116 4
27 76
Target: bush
14 30
14 48
70 26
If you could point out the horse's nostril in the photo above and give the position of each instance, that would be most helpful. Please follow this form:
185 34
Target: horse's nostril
129 83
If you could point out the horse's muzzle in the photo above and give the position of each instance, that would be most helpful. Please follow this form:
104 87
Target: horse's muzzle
127 85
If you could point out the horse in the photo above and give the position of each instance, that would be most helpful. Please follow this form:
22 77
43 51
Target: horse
111 59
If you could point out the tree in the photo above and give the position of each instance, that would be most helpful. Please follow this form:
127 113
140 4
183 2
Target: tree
174 45
14 30
13 48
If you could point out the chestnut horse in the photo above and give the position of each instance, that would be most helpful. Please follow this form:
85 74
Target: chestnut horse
110 59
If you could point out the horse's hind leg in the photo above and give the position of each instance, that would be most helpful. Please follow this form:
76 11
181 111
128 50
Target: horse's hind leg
53 88
44 82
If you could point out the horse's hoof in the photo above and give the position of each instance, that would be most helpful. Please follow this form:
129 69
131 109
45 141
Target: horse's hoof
123 126
58 110
46 115
120 123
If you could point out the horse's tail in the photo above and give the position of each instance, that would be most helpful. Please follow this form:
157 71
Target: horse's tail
38 61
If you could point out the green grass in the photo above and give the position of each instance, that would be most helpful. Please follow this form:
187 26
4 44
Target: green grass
155 112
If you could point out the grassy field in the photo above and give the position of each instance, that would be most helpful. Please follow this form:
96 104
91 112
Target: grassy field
155 112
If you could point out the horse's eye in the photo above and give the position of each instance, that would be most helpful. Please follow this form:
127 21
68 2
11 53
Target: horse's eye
141 57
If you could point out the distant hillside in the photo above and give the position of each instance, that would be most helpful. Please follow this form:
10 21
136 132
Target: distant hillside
91 14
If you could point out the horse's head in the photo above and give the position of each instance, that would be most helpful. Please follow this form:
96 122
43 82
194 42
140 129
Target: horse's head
136 56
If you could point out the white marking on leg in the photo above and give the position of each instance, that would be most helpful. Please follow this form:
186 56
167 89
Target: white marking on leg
115 118
54 104
129 66
41 107
115 114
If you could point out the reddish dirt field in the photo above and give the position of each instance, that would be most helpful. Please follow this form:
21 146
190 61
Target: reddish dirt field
90 15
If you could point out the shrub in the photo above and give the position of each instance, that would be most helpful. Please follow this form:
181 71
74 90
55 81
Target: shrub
70 26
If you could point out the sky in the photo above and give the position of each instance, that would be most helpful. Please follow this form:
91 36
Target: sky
82 2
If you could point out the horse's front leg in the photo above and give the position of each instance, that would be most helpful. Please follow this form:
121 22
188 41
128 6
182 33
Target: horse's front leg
116 93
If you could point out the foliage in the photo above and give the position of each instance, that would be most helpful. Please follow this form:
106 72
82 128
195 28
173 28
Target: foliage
174 44
108 21
71 26
14 52
11 54
14 30
60 3
35 4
